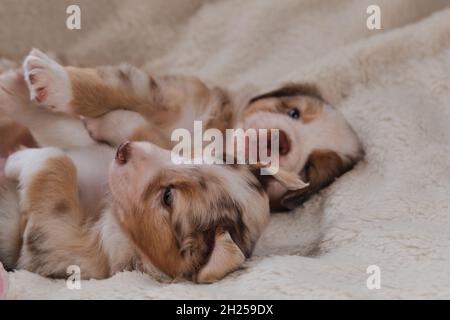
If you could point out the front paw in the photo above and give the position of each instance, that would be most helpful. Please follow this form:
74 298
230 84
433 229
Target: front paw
94 126
48 81
23 164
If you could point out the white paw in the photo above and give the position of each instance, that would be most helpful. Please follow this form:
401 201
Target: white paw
48 81
94 127
24 164
114 127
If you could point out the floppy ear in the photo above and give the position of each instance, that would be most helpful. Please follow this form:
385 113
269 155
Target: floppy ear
321 169
225 258
291 90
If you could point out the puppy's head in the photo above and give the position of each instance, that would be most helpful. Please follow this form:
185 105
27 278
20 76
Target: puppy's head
315 140
194 221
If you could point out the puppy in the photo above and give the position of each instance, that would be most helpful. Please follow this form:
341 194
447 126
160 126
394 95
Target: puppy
76 203
198 222
125 103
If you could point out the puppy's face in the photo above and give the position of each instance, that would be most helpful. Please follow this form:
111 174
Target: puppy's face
315 140
187 220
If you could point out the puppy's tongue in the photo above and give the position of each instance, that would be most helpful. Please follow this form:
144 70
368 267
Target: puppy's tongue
284 145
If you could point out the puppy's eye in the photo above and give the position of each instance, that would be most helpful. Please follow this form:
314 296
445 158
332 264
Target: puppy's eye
167 197
294 113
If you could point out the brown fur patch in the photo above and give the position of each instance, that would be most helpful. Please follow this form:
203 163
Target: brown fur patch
150 133
53 185
34 241
320 170
13 136
291 90
52 239
92 97
221 116
180 239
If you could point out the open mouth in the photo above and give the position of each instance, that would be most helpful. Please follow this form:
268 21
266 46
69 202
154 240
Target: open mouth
284 144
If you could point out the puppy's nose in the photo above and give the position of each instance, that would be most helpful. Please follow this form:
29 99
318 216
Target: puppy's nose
123 153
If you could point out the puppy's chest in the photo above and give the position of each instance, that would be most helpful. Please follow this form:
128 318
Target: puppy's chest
92 173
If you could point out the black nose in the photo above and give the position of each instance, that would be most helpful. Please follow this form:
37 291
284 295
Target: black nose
123 153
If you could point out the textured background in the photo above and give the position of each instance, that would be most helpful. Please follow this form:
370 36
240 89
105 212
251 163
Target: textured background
393 85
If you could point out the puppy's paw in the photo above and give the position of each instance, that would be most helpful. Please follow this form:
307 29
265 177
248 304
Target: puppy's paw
114 127
24 164
48 81
94 126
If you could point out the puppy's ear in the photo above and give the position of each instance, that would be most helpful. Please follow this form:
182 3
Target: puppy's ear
291 90
321 169
225 258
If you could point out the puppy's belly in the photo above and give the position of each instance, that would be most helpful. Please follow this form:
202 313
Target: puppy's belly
92 165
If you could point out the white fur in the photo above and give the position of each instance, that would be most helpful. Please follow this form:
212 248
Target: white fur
24 164
117 246
48 128
114 126
43 73
330 131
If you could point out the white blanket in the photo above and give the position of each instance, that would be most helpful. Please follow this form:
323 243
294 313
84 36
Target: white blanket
393 85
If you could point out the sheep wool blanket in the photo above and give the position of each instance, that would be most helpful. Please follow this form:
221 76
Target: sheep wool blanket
381 230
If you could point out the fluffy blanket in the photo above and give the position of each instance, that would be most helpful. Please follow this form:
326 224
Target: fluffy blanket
393 85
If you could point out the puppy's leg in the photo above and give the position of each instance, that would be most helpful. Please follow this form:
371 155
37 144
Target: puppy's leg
55 236
48 128
11 227
95 92
118 126
48 82
23 165
114 127
83 91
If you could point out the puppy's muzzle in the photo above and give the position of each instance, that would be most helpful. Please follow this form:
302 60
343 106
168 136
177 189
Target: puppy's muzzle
123 153
284 144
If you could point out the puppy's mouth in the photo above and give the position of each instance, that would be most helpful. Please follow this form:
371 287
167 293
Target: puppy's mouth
123 153
284 143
